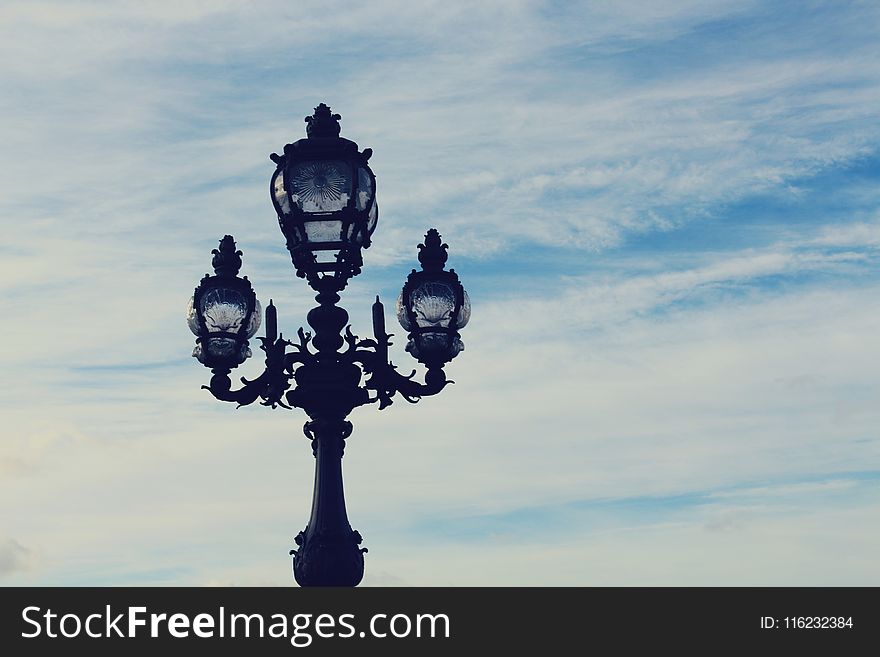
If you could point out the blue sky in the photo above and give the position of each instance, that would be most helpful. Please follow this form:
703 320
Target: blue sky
666 214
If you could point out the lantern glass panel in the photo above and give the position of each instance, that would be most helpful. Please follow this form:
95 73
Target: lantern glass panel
371 218
365 189
323 231
356 234
402 315
320 186
464 314
224 311
280 193
328 256
255 320
432 304
192 319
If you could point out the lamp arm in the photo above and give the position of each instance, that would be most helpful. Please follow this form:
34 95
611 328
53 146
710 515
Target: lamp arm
384 379
221 388
270 385
387 381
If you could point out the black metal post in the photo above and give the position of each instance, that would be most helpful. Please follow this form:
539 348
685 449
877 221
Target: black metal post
328 552
328 388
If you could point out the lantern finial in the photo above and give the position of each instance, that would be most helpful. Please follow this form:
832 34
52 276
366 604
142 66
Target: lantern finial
323 124
432 254
226 261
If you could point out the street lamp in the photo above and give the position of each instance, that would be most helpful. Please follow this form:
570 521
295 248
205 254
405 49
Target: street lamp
324 193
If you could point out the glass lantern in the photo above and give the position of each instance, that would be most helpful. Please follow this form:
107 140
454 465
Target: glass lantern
325 196
433 306
224 312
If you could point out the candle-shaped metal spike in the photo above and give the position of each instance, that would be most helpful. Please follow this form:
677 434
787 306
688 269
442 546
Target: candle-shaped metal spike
271 322
379 329
378 318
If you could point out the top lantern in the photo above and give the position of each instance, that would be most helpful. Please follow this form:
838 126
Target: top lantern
325 196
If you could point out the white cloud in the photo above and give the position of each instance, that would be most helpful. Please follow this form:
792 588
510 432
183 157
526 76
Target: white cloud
859 234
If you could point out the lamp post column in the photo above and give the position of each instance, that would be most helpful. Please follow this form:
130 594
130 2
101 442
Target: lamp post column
328 552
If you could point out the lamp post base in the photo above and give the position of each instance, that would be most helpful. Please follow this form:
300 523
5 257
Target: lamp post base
328 559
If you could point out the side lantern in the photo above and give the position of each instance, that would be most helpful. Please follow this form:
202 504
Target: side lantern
223 312
433 306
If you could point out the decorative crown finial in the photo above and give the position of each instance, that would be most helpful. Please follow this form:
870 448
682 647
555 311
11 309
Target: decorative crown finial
322 124
226 261
432 254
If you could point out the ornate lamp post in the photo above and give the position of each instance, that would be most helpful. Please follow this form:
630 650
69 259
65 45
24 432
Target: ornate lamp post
325 196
